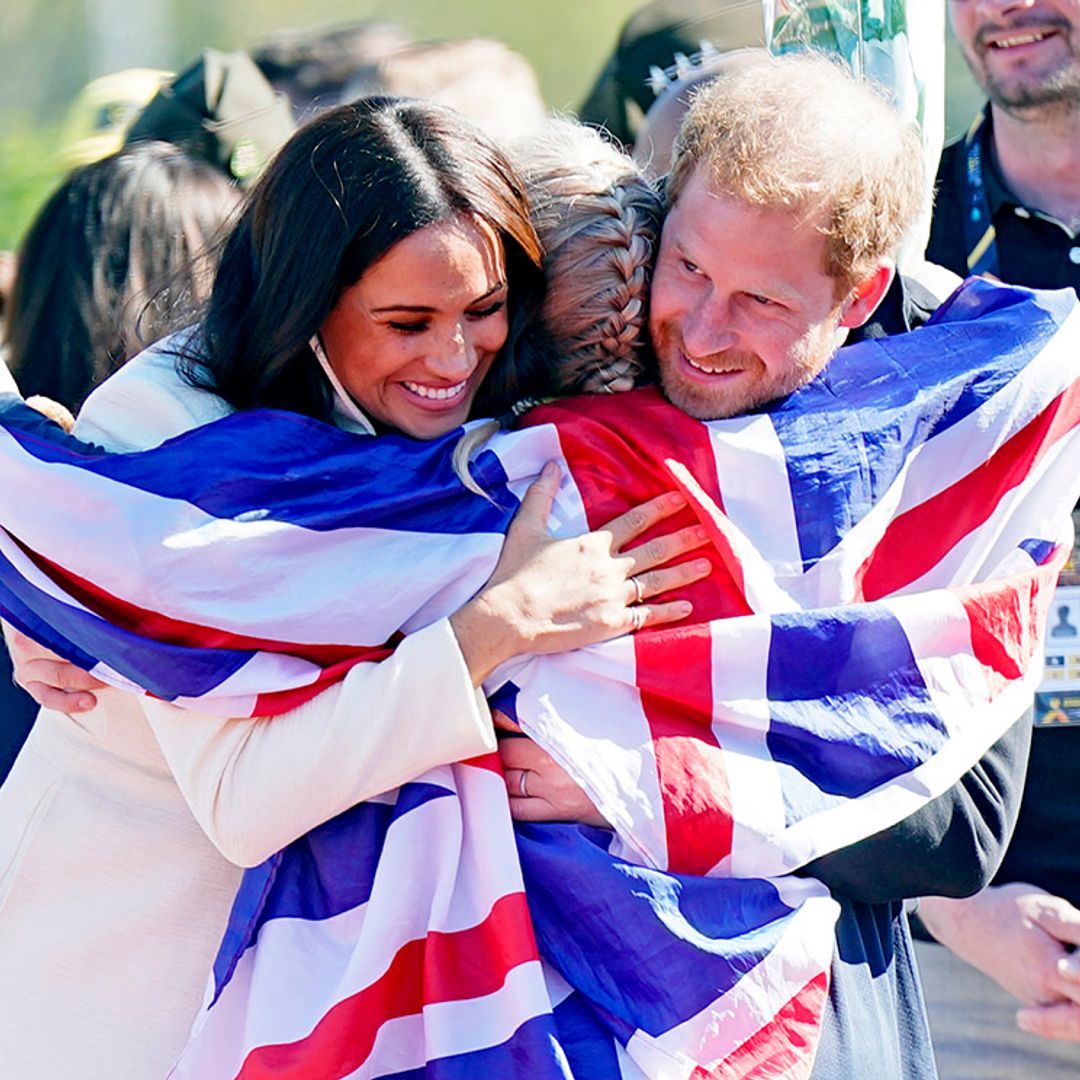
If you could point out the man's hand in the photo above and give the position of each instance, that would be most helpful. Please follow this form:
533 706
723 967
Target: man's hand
1021 937
49 679
542 790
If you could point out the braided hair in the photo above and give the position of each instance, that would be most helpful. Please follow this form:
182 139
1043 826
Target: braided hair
598 220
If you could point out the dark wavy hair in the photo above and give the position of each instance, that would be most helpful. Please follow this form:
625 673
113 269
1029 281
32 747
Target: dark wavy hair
119 255
338 195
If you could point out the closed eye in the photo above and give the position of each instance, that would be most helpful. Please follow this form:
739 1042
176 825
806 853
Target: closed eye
486 312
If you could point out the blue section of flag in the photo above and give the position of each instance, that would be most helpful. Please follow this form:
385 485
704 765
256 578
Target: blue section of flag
588 1044
328 871
504 700
532 1051
649 949
1040 551
167 671
882 398
287 480
849 709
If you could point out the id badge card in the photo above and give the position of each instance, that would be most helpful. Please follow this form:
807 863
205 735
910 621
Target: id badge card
1057 700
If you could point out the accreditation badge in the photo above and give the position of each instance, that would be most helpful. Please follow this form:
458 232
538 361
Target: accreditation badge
1057 701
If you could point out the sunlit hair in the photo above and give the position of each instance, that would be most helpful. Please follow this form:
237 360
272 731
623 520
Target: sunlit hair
484 80
120 254
798 132
599 223
338 196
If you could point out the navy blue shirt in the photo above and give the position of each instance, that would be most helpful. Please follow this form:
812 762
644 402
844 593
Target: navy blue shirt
1033 249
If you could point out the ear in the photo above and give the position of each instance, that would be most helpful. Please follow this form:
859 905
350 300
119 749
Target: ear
864 298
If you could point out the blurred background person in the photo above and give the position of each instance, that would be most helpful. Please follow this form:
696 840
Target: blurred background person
660 35
222 110
120 254
235 110
1008 192
483 79
98 118
1003 994
317 67
655 139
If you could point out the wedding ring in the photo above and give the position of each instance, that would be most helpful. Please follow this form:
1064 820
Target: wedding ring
639 592
523 790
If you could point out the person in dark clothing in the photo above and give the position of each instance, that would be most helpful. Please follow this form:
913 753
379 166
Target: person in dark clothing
1008 204
1008 192
1029 247
657 35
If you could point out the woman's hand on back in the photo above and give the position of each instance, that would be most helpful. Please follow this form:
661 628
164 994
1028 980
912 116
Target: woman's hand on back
549 595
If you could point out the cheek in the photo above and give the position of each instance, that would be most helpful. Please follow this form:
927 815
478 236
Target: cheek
961 14
367 370
665 300
491 334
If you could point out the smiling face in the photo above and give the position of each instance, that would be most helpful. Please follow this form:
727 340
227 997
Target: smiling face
414 338
1023 53
742 311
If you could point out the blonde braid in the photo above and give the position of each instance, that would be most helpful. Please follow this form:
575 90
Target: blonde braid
599 223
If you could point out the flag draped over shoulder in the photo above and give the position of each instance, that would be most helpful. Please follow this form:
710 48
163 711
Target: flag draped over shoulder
884 545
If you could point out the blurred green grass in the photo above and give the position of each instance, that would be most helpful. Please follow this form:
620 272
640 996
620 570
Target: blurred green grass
28 173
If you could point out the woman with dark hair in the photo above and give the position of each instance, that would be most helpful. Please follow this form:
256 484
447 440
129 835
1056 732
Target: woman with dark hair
386 169
382 276
119 255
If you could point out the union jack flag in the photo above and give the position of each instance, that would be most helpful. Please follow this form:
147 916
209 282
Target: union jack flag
884 547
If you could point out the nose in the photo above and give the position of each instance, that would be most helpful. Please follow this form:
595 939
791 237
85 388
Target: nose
997 8
709 328
454 358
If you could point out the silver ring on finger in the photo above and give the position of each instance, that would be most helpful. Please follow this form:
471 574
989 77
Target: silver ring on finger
639 590
638 616
523 784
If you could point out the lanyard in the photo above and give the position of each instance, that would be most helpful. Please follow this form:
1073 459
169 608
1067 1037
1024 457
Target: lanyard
980 237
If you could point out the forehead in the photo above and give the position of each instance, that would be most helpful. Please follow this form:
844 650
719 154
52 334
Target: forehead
731 238
456 252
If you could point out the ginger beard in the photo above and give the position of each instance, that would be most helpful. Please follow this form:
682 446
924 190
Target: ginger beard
734 382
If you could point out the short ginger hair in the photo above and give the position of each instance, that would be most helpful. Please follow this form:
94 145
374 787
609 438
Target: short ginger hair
799 132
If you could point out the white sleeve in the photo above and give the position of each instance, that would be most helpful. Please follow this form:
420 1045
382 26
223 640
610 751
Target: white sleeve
146 402
256 785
